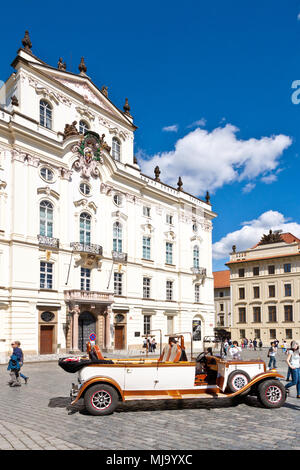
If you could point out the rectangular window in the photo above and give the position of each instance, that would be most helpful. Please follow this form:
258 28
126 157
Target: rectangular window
197 292
221 294
256 315
170 321
288 313
146 211
242 272
287 290
46 275
118 283
272 313
169 219
85 279
242 315
272 334
146 247
271 291
256 292
288 333
271 269
221 320
257 334
169 290
169 253
221 307
146 287
287 268
242 334
256 271
241 292
147 324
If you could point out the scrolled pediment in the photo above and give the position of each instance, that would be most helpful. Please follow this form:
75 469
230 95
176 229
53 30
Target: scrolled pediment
86 204
119 215
48 192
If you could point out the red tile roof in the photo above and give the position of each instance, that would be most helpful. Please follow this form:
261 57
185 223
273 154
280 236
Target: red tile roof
221 279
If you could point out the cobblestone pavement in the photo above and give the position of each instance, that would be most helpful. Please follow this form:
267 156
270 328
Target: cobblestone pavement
38 416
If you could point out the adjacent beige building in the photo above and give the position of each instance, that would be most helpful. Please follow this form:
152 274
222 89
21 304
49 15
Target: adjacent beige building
265 289
222 300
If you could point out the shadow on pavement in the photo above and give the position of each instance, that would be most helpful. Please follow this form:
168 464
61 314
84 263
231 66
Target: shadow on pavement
152 405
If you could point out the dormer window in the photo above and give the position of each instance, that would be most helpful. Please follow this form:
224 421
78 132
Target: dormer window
116 149
83 127
45 114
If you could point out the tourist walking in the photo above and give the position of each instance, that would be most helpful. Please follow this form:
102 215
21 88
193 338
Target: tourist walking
284 346
14 368
19 353
272 356
153 345
260 344
254 344
293 361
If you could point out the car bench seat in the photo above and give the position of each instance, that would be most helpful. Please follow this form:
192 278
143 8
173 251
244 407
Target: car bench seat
94 352
171 353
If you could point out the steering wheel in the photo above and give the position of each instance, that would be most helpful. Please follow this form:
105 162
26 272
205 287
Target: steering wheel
201 357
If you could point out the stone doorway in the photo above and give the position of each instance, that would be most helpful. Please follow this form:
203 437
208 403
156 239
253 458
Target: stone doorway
86 326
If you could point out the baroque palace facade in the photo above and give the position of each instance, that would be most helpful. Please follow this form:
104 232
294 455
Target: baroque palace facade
265 289
88 243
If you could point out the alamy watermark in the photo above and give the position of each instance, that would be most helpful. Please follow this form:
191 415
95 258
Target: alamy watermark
296 94
2 93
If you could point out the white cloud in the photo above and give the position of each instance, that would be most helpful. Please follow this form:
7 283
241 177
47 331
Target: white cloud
200 123
252 231
173 128
269 179
209 160
248 188
298 17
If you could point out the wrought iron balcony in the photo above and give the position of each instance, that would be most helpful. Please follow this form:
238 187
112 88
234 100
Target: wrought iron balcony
86 248
199 271
119 256
48 241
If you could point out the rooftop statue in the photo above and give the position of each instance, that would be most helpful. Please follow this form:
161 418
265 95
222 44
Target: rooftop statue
272 237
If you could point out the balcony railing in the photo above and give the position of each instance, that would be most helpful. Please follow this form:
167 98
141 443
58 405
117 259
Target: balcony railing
85 296
48 241
199 271
119 256
86 248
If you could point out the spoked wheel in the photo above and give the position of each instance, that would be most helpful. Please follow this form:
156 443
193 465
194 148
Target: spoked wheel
271 393
237 380
101 399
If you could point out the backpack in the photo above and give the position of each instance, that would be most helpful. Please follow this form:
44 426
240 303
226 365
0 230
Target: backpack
13 363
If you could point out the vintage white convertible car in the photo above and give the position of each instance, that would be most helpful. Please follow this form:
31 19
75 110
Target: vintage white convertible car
104 382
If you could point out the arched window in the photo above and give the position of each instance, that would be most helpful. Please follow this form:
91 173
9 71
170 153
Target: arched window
46 219
45 114
116 149
117 237
85 228
83 127
196 257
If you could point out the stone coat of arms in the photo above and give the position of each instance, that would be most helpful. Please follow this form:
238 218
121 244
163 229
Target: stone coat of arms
90 153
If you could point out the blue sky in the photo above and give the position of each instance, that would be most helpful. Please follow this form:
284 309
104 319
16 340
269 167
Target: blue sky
217 74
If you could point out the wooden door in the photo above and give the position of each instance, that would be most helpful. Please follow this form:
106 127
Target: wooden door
119 337
46 339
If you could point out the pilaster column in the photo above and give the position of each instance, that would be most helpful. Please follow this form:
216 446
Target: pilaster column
76 312
108 317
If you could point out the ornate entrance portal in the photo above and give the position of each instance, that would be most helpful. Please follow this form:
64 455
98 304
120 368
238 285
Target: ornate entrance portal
86 326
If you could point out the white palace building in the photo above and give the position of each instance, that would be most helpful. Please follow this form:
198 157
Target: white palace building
88 243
